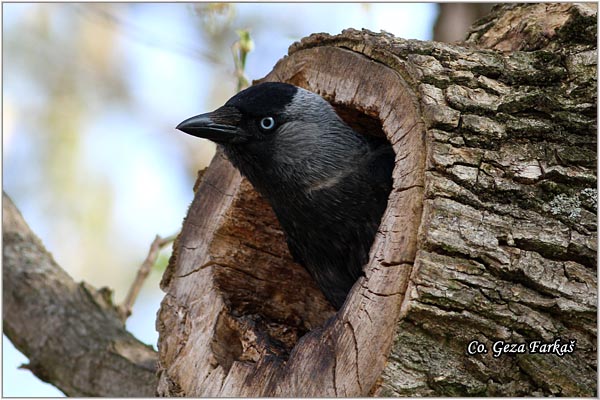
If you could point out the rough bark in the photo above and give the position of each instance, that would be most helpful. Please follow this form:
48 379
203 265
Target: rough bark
490 232
70 332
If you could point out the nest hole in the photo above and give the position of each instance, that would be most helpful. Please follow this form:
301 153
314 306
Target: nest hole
272 301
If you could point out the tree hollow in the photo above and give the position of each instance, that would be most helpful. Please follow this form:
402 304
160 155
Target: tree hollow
241 313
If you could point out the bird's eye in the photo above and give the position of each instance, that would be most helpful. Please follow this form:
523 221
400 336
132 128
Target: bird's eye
267 123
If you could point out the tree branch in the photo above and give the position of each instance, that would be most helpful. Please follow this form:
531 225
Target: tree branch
70 332
157 244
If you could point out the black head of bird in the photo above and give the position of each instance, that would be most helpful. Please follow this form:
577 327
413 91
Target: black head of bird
327 184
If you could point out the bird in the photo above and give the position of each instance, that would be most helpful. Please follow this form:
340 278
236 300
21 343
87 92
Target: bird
327 184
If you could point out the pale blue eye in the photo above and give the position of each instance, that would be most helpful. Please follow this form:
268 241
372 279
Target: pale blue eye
267 123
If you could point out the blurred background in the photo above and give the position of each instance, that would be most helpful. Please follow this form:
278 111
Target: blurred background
91 96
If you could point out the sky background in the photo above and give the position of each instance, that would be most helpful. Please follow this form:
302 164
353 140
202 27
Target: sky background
91 96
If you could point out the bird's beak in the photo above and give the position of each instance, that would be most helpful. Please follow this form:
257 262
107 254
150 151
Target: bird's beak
220 126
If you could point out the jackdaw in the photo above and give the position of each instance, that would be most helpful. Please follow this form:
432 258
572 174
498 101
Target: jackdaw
327 184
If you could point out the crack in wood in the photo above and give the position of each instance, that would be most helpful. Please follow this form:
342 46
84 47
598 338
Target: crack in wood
197 269
356 365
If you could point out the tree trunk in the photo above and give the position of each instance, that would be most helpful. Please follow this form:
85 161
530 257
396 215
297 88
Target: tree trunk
489 237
